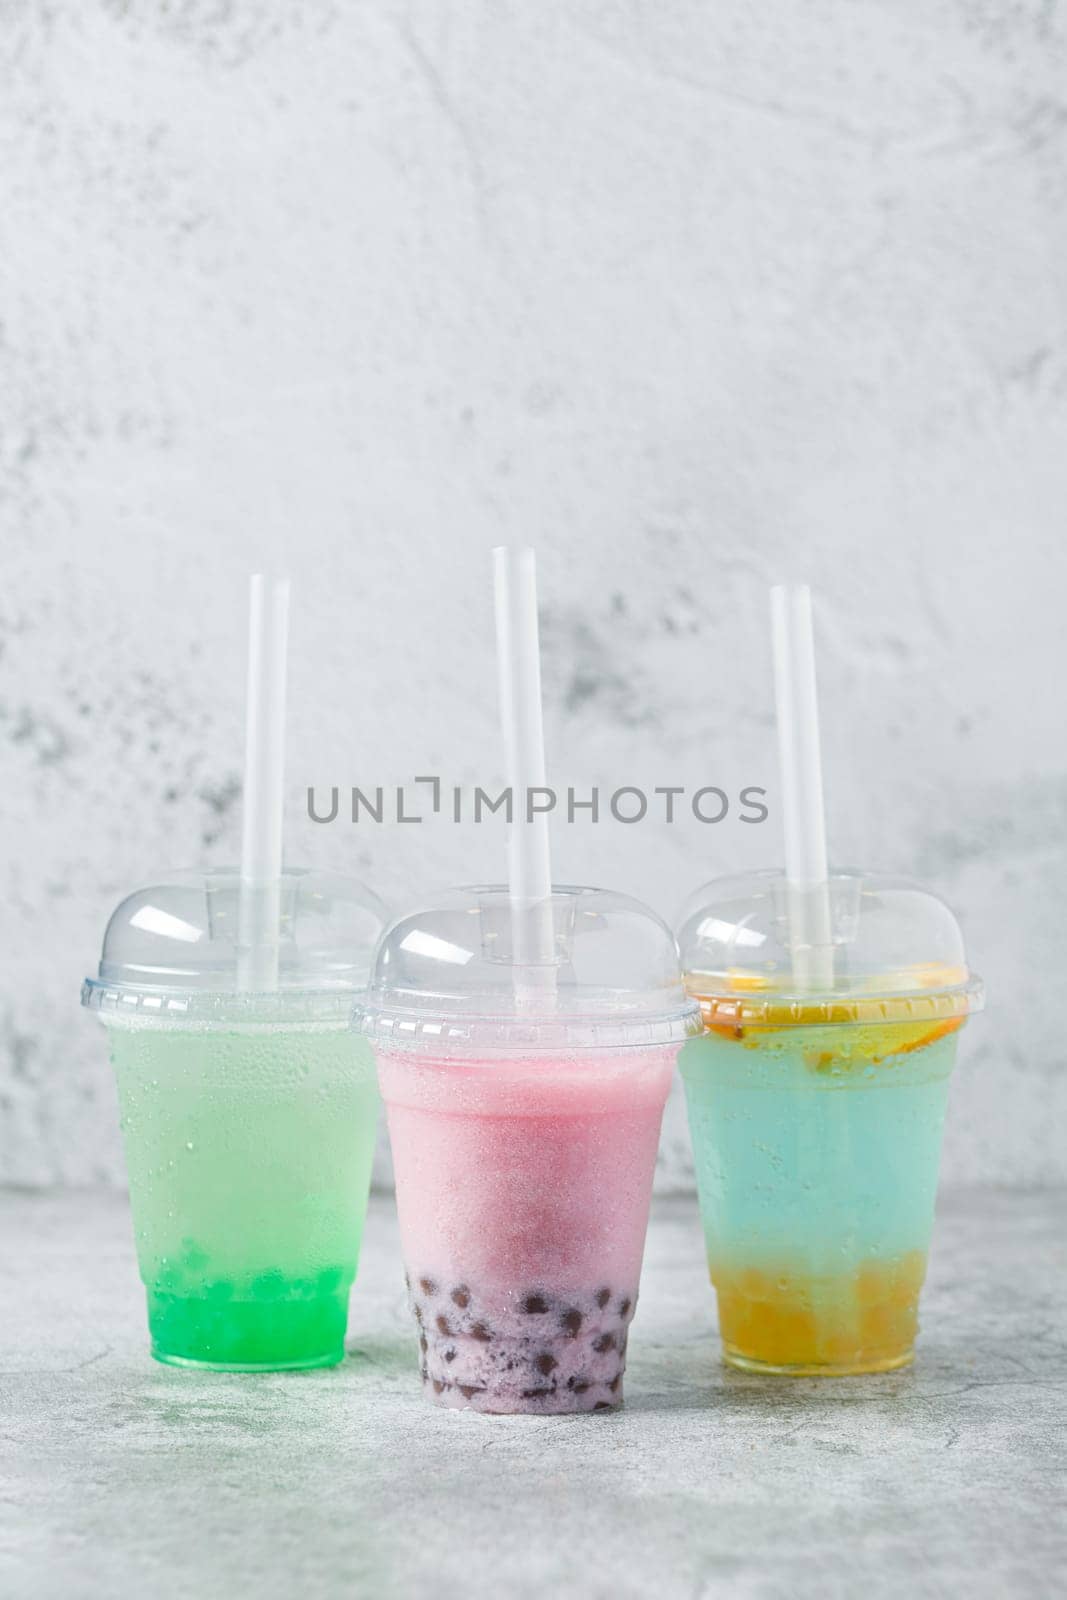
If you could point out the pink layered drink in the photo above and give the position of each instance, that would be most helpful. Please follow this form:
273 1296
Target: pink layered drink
524 1114
523 1189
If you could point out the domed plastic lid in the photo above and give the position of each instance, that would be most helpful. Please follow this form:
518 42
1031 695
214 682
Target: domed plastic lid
171 952
895 953
447 978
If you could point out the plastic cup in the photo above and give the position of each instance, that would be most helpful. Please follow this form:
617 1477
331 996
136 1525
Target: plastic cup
524 1107
816 1117
248 1119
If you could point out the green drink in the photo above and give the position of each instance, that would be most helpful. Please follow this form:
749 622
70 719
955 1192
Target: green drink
249 1156
248 1120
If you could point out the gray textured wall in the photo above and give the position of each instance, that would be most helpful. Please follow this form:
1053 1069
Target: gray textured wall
692 297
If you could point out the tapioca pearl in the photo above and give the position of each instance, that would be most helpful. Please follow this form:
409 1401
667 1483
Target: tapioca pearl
539 1394
605 1342
443 1325
450 1355
578 1385
624 1307
603 1405
427 1286
546 1363
602 1297
461 1296
438 1386
469 1390
534 1305
479 1331
614 1384
571 1322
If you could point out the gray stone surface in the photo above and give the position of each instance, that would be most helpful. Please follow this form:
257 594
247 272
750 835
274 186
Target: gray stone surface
126 1478
695 296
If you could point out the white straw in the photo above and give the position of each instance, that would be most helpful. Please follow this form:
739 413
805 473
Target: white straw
519 672
802 800
259 911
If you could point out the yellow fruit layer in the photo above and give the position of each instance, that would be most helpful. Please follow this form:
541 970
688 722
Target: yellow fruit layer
861 1321
740 1005
831 1044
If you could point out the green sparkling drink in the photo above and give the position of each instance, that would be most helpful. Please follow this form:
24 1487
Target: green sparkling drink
248 1118
249 1154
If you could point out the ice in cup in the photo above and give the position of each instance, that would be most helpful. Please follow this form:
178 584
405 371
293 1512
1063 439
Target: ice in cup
816 1118
524 1105
248 1118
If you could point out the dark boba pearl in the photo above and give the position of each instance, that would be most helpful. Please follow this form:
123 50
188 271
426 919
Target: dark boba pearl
603 1405
443 1325
461 1295
572 1323
480 1332
546 1363
427 1286
605 1342
534 1304
602 1297
624 1306
450 1355
468 1390
438 1386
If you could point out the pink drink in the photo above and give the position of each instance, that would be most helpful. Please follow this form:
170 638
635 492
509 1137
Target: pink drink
524 1100
523 1188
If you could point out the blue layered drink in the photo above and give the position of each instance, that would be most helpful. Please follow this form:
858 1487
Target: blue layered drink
816 1118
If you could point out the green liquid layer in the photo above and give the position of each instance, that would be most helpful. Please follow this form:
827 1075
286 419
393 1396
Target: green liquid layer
247 1335
249 1156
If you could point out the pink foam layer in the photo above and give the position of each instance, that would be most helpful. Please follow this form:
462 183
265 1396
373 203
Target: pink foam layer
524 1174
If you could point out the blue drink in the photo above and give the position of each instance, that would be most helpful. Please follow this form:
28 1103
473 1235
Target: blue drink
817 1098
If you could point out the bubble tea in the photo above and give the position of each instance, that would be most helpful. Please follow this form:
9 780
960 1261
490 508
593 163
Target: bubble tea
248 1118
524 1104
816 1117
